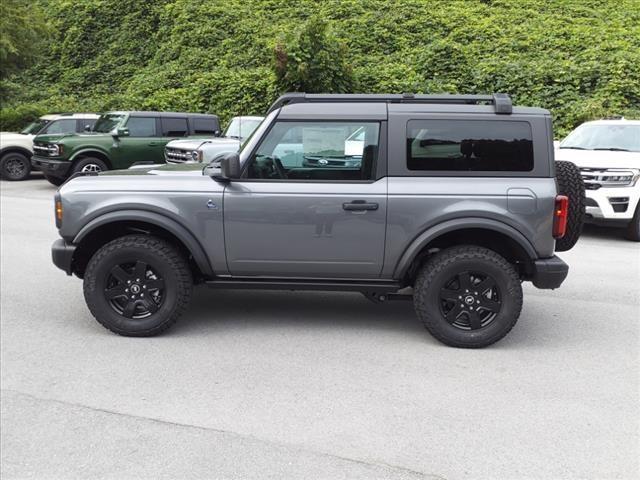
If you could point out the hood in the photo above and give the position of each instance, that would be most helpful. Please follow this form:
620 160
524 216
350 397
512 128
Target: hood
189 169
599 158
13 137
195 143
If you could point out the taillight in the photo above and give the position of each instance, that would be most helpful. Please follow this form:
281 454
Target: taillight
560 214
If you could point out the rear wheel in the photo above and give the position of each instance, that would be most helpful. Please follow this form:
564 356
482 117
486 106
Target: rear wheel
14 166
137 285
570 184
468 296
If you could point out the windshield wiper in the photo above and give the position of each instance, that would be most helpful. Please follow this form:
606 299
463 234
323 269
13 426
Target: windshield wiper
575 148
613 149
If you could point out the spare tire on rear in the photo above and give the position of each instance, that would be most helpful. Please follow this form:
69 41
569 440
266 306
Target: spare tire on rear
570 184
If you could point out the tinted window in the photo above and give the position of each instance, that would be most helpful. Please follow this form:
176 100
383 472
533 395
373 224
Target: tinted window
204 126
317 151
67 125
469 145
174 127
141 126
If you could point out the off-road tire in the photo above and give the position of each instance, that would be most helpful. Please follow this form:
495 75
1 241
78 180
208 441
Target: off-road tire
160 256
89 162
434 276
14 166
570 184
633 229
57 181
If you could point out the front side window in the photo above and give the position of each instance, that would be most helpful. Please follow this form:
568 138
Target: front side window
107 122
469 145
317 151
142 126
174 127
67 125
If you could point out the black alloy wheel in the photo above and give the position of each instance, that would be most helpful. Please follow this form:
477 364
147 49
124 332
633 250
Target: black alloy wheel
134 290
470 300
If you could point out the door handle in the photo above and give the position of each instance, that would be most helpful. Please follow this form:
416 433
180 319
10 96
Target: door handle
153 144
359 205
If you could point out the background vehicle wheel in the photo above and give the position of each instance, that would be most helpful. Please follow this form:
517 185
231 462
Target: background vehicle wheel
57 181
137 285
14 166
570 184
89 164
468 296
633 229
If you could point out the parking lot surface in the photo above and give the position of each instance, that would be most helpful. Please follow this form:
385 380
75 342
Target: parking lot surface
314 385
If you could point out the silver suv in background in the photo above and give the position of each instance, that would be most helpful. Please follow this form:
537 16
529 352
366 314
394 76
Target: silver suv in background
608 155
204 150
454 202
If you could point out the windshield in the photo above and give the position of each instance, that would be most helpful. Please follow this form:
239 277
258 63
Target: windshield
107 122
35 127
604 137
241 128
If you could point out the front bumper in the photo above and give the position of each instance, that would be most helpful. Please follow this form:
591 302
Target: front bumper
616 203
55 168
62 255
549 273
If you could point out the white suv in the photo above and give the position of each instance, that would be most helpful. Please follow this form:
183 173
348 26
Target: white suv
16 148
608 155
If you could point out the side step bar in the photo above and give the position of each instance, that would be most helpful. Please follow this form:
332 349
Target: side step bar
336 285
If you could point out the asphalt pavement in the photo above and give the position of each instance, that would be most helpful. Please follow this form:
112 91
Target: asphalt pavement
255 384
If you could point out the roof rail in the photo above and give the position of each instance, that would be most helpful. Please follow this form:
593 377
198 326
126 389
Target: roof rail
500 101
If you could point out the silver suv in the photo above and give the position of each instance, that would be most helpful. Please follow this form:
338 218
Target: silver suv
452 203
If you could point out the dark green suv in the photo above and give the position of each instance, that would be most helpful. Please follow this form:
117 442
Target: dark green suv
118 140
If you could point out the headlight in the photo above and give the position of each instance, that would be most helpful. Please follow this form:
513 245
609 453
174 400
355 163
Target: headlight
55 150
196 156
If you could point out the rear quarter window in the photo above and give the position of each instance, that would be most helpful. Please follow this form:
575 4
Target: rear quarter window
469 145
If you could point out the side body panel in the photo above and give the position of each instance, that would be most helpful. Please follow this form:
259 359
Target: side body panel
194 202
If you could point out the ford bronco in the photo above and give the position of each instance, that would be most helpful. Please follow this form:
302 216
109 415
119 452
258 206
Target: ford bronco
455 201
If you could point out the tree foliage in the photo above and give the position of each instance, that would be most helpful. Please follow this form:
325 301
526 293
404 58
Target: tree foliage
22 31
313 61
578 58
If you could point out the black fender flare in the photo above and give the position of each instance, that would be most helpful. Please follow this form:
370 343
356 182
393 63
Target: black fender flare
11 149
414 248
166 223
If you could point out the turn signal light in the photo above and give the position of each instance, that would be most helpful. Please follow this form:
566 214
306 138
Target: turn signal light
560 215
58 213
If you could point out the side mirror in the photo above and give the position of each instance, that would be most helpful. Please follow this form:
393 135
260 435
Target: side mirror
120 132
87 128
229 166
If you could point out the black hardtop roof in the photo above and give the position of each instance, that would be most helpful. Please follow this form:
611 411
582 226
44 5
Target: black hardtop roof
146 113
500 101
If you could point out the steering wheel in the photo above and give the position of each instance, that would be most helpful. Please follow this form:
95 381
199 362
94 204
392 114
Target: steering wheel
279 168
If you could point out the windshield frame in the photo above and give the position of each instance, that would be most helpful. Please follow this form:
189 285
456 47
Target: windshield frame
585 138
31 128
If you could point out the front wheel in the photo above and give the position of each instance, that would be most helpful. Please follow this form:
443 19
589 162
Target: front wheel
633 229
14 166
468 296
57 181
137 285
89 165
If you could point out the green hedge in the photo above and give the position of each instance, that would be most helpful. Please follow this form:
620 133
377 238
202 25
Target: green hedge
579 58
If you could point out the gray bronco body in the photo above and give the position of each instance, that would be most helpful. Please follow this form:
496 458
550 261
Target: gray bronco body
265 231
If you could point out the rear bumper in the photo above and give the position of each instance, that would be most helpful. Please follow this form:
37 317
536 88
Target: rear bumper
62 255
549 273
55 168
